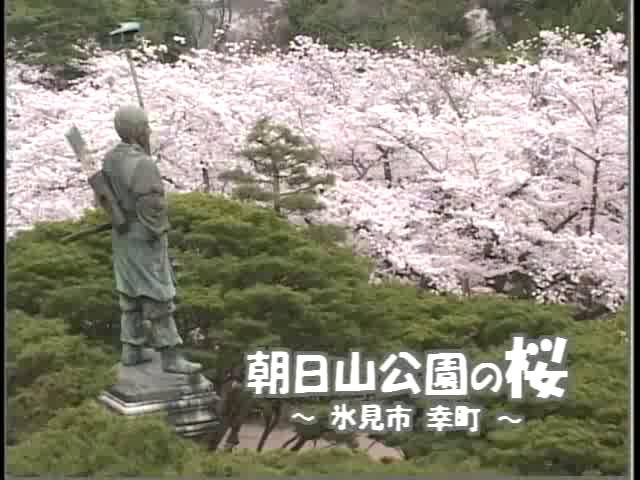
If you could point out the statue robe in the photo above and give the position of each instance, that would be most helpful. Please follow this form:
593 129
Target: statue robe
140 255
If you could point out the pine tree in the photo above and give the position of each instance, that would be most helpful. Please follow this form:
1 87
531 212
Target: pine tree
280 159
59 36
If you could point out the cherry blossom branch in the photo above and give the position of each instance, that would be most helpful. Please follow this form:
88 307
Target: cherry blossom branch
410 146
414 102
566 221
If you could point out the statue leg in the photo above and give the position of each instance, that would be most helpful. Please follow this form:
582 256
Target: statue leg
165 337
132 334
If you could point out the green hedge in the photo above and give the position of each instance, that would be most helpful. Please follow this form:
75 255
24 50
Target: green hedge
249 278
90 441
49 370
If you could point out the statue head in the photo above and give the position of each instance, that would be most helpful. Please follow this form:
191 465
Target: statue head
132 126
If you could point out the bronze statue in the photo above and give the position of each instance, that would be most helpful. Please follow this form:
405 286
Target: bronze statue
129 186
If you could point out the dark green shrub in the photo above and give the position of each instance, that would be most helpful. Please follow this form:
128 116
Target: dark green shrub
249 279
49 370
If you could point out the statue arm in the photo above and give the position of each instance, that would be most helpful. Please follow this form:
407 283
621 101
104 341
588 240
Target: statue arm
151 203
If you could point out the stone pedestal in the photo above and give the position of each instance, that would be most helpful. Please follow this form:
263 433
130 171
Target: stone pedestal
189 400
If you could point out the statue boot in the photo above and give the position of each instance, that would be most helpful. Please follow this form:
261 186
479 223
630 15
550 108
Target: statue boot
134 355
174 362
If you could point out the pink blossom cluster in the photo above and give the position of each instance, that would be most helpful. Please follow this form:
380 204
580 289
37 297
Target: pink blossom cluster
520 166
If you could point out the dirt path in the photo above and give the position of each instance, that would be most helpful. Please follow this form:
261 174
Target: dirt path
250 434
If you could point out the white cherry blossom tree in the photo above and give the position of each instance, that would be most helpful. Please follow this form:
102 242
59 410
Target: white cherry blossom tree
517 170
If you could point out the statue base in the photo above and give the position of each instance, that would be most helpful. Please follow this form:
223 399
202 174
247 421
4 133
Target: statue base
189 400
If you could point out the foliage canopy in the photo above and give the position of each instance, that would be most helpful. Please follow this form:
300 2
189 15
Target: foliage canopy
428 23
280 159
59 35
249 279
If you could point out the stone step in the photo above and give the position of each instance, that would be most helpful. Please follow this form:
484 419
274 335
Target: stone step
196 401
192 416
195 431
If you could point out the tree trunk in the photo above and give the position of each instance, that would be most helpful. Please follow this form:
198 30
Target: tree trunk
276 193
594 195
216 436
299 444
386 166
290 441
270 423
206 181
595 178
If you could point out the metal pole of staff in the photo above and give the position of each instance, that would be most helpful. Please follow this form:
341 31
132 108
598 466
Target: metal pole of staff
130 28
